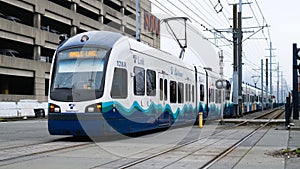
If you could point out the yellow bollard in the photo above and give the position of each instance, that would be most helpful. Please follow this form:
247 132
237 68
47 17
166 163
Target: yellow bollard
200 119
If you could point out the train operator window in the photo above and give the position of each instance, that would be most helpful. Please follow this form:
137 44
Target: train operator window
119 85
173 93
151 83
180 92
139 81
201 92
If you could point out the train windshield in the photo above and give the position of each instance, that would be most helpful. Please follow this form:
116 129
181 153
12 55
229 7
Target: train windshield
78 74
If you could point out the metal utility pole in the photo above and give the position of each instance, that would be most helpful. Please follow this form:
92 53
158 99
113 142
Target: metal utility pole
267 83
262 84
295 81
137 33
271 88
282 95
240 62
235 63
277 83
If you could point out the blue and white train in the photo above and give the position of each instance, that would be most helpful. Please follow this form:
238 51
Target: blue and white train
104 83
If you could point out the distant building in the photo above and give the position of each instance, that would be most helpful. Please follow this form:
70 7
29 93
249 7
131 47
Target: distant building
30 29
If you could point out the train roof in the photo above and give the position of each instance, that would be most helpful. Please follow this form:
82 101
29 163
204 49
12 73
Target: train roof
109 39
162 55
105 38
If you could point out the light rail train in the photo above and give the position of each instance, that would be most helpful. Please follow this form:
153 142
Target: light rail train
105 83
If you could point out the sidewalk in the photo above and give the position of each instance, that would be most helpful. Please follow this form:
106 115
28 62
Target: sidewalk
293 143
267 153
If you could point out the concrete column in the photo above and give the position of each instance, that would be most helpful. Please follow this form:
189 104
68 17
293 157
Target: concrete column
122 28
74 30
122 10
36 52
74 7
123 21
101 19
37 20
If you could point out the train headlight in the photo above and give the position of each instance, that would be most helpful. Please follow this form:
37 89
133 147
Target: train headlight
91 109
94 108
54 108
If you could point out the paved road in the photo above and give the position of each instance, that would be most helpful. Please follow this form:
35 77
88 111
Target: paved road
24 132
15 135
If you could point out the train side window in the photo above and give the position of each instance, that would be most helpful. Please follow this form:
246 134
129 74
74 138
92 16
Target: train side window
227 95
119 88
218 96
180 92
211 95
189 92
166 89
151 82
244 98
139 81
201 92
193 94
173 92
186 92
161 88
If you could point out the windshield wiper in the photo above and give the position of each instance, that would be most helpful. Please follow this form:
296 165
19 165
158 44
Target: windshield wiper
63 88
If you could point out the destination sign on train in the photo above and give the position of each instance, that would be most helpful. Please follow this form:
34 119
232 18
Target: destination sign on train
77 54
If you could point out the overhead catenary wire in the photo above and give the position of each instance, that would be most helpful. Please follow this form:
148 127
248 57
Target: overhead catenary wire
209 20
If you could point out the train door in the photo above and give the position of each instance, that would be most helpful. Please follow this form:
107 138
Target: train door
163 115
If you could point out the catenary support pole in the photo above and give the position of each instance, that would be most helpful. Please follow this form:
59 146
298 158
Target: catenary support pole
262 84
235 63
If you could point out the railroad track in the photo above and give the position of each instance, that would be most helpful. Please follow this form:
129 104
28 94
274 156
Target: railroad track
274 114
43 149
16 153
261 128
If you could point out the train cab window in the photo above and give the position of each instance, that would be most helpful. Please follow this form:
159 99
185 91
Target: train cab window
193 94
119 86
139 81
173 92
201 92
180 92
151 82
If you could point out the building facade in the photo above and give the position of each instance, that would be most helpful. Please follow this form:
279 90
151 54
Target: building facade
30 29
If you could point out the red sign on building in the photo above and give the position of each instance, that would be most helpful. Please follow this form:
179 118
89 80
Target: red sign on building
151 23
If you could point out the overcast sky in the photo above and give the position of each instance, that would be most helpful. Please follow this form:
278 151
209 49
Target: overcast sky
285 30
280 16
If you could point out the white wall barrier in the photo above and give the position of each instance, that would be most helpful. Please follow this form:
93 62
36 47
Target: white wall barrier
23 108
8 109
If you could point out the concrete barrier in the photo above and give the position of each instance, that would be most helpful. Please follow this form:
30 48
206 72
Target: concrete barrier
23 108
8 109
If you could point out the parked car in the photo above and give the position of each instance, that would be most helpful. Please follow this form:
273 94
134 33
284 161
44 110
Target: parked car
14 19
2 15
47 28
10 52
